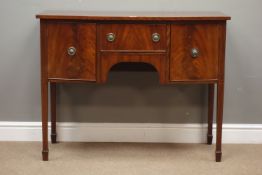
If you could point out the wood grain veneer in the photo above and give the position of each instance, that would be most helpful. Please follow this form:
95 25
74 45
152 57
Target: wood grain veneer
180 33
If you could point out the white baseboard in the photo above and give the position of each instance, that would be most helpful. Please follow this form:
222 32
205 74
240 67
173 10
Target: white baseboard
133 132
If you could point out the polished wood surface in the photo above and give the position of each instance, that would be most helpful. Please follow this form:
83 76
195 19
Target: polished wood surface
211 95
133 37
185 37
133 16
220 91
95 56
53 112
60 37
44 90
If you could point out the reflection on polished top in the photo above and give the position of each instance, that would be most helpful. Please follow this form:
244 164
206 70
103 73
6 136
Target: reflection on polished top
144 16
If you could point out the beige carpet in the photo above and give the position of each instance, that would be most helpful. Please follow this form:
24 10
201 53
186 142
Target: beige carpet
24 158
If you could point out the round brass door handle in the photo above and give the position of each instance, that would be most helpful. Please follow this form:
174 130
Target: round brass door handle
155 37
194 52
71 51
110 37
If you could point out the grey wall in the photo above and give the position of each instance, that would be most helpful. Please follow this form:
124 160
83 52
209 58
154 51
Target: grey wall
129 97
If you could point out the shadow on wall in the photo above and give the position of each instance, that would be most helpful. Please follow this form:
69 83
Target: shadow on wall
132 97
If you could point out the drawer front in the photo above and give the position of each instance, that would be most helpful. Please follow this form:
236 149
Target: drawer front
194 52
71 51
133 37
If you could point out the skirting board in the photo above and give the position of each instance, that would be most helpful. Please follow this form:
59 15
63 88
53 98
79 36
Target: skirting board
132 132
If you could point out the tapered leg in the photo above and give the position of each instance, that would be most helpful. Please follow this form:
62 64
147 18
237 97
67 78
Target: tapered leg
44 91
45 118
53 112
220 101
211 88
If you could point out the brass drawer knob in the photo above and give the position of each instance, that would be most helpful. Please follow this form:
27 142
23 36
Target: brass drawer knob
194 52
71 51
155 37
110 37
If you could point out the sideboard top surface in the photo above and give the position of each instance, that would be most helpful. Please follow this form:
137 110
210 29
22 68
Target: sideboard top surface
135 16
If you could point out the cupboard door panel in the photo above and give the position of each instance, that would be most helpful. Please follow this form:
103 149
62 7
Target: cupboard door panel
71 51
194 52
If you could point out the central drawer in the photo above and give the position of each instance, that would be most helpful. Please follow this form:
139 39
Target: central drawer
133 37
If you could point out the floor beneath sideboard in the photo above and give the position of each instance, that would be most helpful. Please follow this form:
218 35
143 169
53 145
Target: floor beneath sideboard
24 158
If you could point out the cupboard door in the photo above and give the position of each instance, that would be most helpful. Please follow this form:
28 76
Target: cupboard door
71 51
194 52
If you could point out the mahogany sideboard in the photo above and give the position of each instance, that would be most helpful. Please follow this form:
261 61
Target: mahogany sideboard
183 47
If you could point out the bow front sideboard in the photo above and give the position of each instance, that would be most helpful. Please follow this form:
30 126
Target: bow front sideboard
183 47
